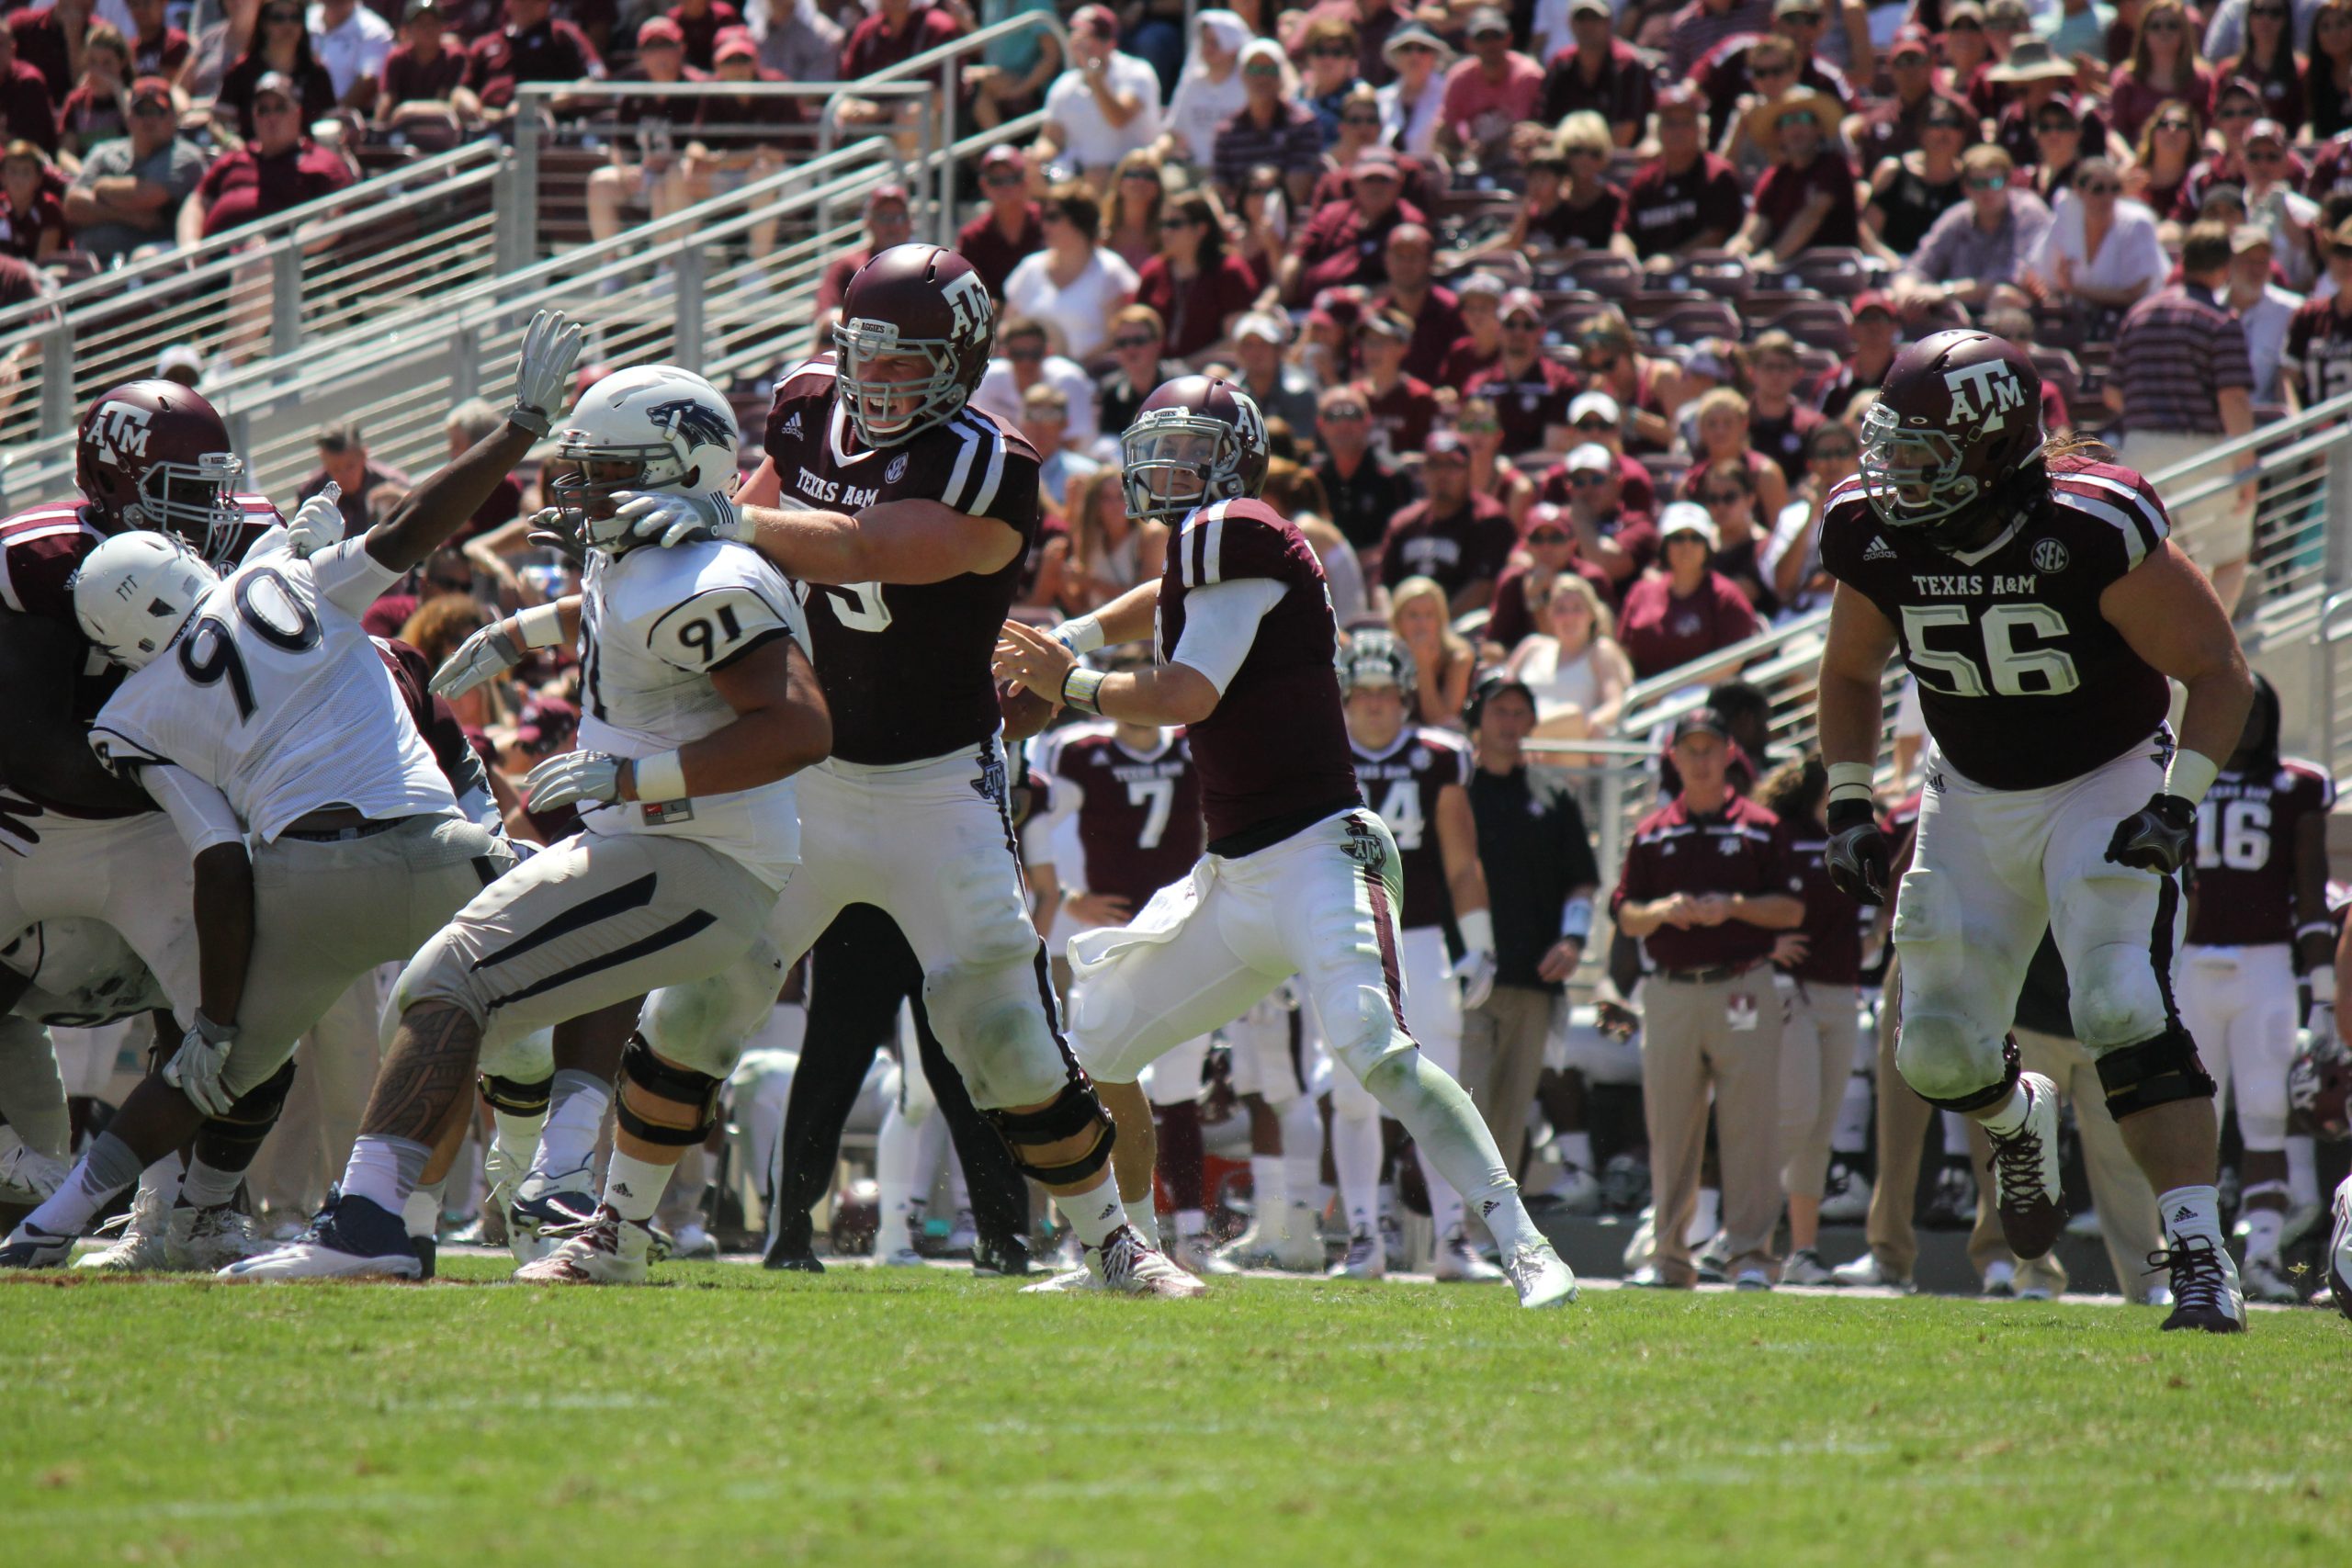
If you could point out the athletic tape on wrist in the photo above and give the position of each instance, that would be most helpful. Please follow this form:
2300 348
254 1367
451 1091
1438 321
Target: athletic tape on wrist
541 626
1477 928
2191 774
1576 918
660 777
1081 689
1081 636
1850 781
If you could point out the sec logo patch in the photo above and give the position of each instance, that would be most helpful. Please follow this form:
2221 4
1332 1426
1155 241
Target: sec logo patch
2049 555
895 471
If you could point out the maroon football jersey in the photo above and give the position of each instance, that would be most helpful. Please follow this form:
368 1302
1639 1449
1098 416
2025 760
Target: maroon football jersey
1138 812
2318 353
2245 852
1275 755
905 667
2022 680
41 550
1402 784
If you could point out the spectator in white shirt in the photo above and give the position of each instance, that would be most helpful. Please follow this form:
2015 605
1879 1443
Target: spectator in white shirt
2263 308
351 41
1045 423
1104 107
2100 249
1210 91
1075 283
1409 104
1025 358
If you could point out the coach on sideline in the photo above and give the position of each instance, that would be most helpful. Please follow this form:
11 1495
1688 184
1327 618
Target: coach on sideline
1707 880
1540 881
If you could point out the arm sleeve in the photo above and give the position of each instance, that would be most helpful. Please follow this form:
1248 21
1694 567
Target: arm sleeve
201 812
1221 622
349 578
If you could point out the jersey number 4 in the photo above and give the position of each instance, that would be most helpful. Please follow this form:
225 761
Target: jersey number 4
2017 667
2233 834
208 653
1401 810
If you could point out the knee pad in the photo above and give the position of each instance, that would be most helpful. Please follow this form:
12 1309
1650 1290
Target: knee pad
525 1059
2153 1072
1073 1110
705 1024
642 1068
230 1141
996 1025
515 1097
2117 996
1360 1028
1949 1064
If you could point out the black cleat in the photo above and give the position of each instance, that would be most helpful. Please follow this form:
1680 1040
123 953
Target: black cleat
31 1247
1006 1255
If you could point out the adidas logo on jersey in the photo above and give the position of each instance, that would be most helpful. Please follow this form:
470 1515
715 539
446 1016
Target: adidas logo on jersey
791 426
1880 549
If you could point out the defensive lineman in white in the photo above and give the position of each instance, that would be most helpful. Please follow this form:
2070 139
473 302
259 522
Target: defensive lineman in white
699 704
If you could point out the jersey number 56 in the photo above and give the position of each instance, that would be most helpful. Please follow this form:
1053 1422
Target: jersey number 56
2015 668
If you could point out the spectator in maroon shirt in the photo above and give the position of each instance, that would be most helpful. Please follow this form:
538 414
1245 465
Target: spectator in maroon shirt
1479 299
98 108
887 223
1547 551
25 102
1806 197
1456 538
532 47
1197 287
1673 618
1011 228
423 69
1743 71
2164 63
32 218
1531 389
1403 409
1570 206
280 168
893 31
1601 72
1703 24
1347 242
1587 491
1685 199
1778 423
1434 310
280 46
157 48
50 39
645 125
700 22
1888 127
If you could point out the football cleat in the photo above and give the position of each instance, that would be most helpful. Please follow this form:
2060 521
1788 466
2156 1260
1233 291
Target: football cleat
2338 1260
2205 1292
603 1249
28 1177
1457 1260
1365 1258
1539 1276
1951 1203
1804 1267
211 1237
353 1238
1197 1256
2036 1288
29 1247
1391 1244
1715 1258
145 1245
2084 1225
1845 1197
2025 1174
1006 1255
2000 1280
1254 1249
1752 1280
2264 1279
963 1236
694 1242
549 1202
1127 1266
1865 1273
901 1258
1300 1248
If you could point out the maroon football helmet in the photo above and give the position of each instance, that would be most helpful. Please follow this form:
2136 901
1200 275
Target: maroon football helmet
154 455
918 302
1196 441
1956 428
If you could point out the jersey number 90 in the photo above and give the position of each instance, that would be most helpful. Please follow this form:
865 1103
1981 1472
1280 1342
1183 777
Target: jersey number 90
209 654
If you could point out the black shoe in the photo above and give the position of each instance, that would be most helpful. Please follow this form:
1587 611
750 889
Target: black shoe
35 1248
427 1250
1006 1255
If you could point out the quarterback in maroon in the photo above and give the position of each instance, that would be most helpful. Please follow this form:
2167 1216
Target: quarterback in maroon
2034 595
1299 878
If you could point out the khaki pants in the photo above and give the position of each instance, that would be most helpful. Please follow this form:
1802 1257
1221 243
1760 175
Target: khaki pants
1502 1054
1903 1119
1688 1044
1816 1057
2212 532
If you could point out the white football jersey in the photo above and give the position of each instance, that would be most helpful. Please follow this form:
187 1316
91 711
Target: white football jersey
274 695
654 624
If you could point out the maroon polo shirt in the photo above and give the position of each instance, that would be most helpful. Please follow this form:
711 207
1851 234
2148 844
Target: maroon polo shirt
1740 850
1338 246
1437 325
25 101
1405 414
407 79
40 43
244 186
554 50
1526 404
873 45
992 255
1784 191
1660 632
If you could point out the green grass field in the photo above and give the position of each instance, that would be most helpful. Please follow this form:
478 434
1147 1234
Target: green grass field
729 1416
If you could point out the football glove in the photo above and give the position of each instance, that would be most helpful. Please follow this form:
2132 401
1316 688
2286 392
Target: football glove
1858 859
573 776
2156 838
196 1069
318 523
551 345
560 529
1475 970
490 652
17 835
683 517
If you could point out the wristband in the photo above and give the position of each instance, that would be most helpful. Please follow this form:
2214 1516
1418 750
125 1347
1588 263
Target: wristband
1081 636
541 626
1079 689
2191 774
2314 928
213 1033
1477 928
2323 984
1576 919
524 417
659 777
1850 781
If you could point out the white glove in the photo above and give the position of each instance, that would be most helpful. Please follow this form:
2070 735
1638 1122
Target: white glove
1475 970
2322 1023
318 523
573 776
490 652
551 345
683 517
195 1070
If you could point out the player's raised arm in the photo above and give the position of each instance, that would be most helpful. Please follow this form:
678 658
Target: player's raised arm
440 506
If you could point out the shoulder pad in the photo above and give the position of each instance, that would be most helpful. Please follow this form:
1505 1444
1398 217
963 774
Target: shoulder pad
2111 505
40 551
1234 539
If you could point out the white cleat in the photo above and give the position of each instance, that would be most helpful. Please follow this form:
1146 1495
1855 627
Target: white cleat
1752 1280
1864 1273
2264 1279
1365 1258
1457 1260
693 1243
901 1258
145 1247
1124 1266
1301 1250
2000 1280
1577 1191
603 1250
1065 1284
1804 1267
210 1239
548 1203
1541 1279
2026 1187
28 1177
1845 1199
352 1239
2205 1291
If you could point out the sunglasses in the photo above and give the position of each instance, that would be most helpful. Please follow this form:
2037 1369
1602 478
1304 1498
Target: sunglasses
2275 13
2180 125
1723 497
1945 124
1259 69
1344 416
281 15
1587 153
2098 187
1002 177
1546 537
1594 422
2243 111
1806 17
1025 356
2051 127
1139 175
1135 341
2163 27
2273 156
1800 117
1331 51
1414 47
1481 427
1053 215
1174 221
1584 477
150 107
1445 460
1371 119
1761 72
1521 325
1990 182
271 106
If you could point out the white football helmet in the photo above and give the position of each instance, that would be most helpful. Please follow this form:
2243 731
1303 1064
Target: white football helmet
135 592
653 427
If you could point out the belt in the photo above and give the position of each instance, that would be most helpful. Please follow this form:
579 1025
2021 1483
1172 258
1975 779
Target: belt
365 829
1708 976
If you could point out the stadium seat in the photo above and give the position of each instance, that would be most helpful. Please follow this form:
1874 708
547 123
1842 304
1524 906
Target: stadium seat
1821 323
1685 320
1598 272
1837 271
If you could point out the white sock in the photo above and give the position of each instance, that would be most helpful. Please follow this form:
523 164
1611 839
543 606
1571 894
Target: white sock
1355 1156
1269 1193
1445 1203
105 1168
2001 1124
384 1170
1095 1213
2190 1212
517 1138
1706 1218
1145 1218
1303 1154
895 1150
206 1188
422 1212
1191 1222
1575 1149
633 1187
577 1103
2263 1229
2302 1172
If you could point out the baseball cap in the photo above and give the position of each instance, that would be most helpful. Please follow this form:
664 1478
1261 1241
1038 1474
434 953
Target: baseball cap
2248 237
1373 160
1263 49
888 190
1100 20
1445 444
179 356
1257 324
1485 20
1600 7
1592 456
547 721
415 8
1387 323
2266 130
1484 283
1701 721
1412 34
1877 300
1679 96
661 29
278 83
1600 403
1519 301
1910 41
337 435
2224 195
1687 517
148 87
1004 155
